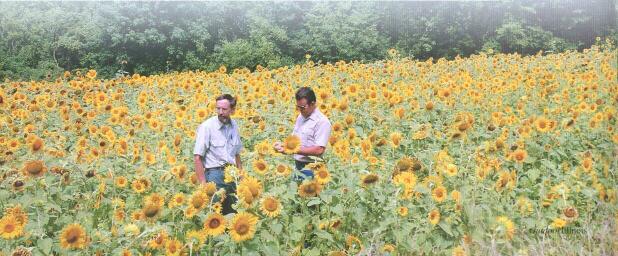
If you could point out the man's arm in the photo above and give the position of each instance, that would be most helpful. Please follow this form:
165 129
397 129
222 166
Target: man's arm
199 168
200 149
238 162
311 151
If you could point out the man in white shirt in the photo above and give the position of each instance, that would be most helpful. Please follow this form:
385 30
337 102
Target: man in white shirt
312 127
218 144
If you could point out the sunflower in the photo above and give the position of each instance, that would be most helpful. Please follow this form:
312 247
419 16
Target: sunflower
322 175
403 211
138 186
37 145
260 166
434 217
283 170
519 155
587 164
353 244
506 226
439 194
21 251
542 124
151 211
456 196
271 207
73 236
214 224
243 226
198 200
570 213
92 74
173 247
309 188
34 168
177 200
253 185
407 179
121 181
451 170
20 216
155 199
10 227
291 144
458 251
395 139
369 179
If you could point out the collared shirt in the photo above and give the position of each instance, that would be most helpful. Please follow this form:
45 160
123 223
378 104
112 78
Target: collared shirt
217 143
313 131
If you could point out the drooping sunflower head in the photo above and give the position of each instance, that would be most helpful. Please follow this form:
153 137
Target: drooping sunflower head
34 168
291 144
309 188
73 236
369 179
37 145
151 211
243 226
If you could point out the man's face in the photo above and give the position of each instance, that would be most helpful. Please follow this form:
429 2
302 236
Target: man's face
305 107
224 111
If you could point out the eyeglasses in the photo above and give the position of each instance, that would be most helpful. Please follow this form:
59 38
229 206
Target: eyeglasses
302 107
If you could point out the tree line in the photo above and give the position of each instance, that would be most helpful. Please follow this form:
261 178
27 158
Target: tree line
43 39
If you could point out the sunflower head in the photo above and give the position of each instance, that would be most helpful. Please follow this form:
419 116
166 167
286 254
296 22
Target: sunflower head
10 228
260 166
369 179
309 188
214 225
439 194
271 207
34 169
73 236
243 226
291 144
434 217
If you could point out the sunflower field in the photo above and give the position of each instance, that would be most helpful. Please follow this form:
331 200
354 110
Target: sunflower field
490 154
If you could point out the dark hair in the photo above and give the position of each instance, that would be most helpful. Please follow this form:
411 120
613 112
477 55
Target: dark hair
229 98
305 93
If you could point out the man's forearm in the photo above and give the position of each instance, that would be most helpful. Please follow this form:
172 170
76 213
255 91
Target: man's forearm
238 162
311 151
199 169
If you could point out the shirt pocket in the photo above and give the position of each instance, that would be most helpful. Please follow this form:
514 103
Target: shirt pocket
218 143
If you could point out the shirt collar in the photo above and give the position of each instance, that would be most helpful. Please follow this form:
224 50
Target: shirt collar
221 125
313 116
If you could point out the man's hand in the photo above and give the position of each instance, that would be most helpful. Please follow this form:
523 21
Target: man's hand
278 147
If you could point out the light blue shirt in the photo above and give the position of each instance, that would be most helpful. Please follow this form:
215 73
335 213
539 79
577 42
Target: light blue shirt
218 144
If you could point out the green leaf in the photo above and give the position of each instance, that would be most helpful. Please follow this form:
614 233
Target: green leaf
45 245
314 201
324 235
446 227
276 227
533 174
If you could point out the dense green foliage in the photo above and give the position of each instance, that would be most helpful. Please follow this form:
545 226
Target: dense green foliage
44 38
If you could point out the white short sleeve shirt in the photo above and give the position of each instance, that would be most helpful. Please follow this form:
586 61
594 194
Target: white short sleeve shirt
313 131
217 143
